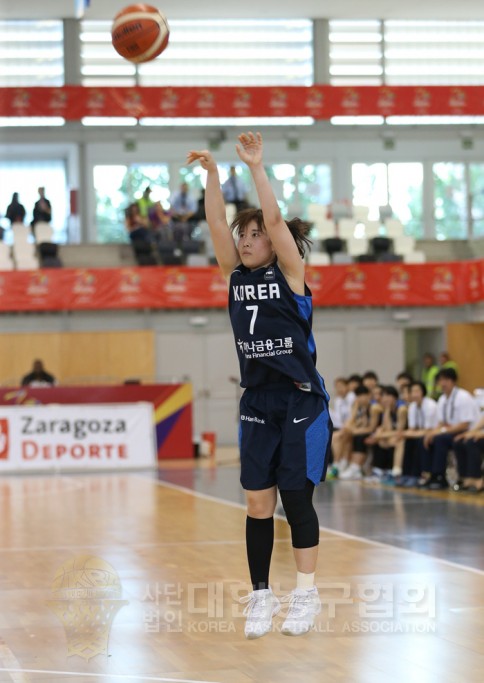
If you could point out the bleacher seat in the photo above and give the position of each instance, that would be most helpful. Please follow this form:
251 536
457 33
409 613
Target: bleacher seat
43 232
316 258
49 255
414 257
333 245
393 227
380 246
346 228
372 229
404 244
6 262
357 246
360 213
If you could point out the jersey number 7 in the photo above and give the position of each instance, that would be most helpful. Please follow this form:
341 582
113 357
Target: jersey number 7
254 310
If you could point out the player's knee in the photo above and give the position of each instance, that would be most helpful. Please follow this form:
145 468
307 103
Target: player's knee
260 506
301 517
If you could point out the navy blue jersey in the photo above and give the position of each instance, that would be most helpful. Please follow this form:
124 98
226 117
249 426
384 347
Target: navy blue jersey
272 330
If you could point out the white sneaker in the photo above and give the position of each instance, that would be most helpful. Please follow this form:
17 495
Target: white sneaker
263 605
353 471
304 605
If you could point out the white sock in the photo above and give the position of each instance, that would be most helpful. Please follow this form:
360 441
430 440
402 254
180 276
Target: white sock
341 465
397 471
305 581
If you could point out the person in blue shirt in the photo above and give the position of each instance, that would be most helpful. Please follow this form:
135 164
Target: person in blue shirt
285 428
234 190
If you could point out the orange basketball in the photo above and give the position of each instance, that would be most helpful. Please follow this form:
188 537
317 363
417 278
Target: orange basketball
140 33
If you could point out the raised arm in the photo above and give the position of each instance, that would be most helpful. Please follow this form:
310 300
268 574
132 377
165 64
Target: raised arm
223 242
288 257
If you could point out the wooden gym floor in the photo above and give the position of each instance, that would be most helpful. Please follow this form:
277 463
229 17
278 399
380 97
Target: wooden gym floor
400 578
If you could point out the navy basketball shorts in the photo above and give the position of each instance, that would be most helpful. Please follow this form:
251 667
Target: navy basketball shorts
284 438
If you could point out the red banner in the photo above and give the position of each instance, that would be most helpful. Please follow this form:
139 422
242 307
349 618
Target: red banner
383 284
318 101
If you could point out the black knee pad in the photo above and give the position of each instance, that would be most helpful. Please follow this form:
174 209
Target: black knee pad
301 516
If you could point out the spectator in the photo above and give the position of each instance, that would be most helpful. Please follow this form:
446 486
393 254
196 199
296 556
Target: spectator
137 225
145 203
447 362
340 414
387 439
15 210
429 373
377 394
38 377
354 381
422 417
457 412
42 209
403 379
365 418
469 449
183 206
370 379
235 191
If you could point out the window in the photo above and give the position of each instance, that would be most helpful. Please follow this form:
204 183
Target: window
207 52
476 178
116 187
434 52
450 204
314 186
398 184
25 177
355 52
31 53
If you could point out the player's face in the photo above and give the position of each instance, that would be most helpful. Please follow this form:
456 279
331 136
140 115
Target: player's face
416 394
254 247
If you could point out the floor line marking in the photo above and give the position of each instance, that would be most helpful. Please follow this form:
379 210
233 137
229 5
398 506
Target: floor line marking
106 675
343 534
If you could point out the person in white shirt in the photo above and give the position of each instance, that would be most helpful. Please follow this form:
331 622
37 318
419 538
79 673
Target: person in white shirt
422 417
234 190
340 412
469 449
457 411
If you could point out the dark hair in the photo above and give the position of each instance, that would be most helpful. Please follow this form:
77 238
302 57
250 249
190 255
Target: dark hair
298 228
370 374
390 390
427 354
355 378
405 375
362 390
447 373
415 383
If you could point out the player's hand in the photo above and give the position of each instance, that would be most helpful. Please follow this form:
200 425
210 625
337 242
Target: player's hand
204 157
250 148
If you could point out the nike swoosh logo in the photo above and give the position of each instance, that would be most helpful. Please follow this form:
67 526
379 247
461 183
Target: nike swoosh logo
300 420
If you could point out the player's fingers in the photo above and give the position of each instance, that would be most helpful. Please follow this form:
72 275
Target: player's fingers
259 137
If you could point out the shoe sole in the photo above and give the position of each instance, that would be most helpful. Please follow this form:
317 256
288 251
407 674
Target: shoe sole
254 636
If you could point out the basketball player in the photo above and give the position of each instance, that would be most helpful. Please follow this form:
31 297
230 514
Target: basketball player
285 428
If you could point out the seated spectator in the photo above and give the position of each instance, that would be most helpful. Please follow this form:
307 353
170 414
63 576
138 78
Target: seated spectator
38 377
402 381
183 205
457 412
387 439
370 379
429 373
340 414
469 449
422 417
354 381
137 225
365 418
